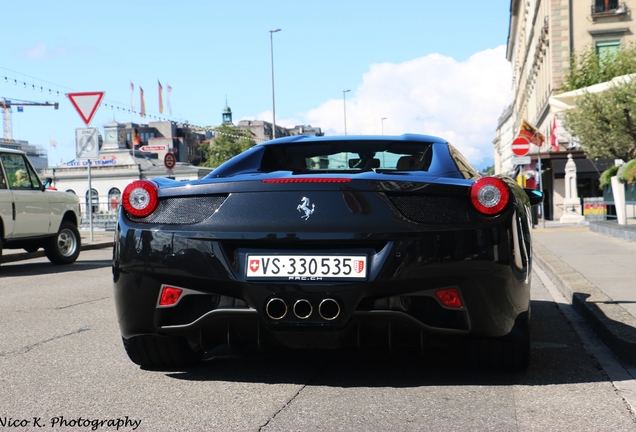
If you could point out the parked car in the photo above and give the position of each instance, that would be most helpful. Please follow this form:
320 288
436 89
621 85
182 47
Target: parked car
32 217
327 242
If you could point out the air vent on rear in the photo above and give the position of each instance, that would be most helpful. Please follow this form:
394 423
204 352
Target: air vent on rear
183 211
434 209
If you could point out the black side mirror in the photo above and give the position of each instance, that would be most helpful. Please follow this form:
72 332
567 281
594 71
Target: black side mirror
536 197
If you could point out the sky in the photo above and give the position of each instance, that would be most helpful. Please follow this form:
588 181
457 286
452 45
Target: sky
427 67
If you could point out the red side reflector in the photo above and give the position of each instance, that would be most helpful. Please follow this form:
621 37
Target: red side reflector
308 180
169 296
449 297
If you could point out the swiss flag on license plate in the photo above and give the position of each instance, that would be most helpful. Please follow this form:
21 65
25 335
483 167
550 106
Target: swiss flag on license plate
358 266
254 265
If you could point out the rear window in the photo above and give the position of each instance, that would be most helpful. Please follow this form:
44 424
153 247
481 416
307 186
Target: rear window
348 156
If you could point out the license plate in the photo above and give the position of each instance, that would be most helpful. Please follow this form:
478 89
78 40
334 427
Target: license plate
307 267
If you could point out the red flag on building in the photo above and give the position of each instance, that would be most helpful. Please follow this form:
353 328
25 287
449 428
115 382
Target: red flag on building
554 142
160 97
143 104
531 134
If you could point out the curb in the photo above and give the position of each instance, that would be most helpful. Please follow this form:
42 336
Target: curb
627 232
20 256
614 325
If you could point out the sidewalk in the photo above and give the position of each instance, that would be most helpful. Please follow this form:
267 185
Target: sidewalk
101 239
595 268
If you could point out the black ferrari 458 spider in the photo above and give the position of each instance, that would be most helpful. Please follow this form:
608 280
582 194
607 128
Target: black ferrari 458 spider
327 242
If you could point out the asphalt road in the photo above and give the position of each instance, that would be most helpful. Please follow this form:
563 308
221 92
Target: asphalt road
62 363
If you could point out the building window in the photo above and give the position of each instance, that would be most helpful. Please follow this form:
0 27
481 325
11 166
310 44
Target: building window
607 50
71 191
601 6
94 202
114 195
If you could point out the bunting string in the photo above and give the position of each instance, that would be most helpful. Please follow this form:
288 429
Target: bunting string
13 78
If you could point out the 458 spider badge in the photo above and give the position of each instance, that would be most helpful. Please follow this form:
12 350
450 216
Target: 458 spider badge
304 207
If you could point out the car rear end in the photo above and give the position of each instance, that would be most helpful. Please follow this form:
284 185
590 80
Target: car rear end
337 259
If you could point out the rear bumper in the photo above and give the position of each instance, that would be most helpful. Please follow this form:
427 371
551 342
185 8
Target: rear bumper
404 273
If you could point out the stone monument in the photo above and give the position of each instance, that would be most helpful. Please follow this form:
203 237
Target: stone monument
572 210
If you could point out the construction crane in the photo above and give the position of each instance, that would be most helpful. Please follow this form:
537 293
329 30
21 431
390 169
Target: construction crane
6 106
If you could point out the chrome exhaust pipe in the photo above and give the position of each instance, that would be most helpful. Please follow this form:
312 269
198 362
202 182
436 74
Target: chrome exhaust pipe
276 308
303 309
329 309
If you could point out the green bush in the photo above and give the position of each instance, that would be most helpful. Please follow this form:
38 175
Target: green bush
607 175
627 172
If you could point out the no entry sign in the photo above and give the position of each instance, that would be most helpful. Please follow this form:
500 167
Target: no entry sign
520 146
169 160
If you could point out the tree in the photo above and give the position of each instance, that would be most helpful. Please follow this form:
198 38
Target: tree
228 142
586 68
605 123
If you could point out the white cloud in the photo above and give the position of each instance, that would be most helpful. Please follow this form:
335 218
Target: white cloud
433 95
38 51
41 51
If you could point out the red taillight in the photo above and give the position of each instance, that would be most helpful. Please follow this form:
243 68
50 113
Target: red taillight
489 195
449 297
169 296
140 198
308 180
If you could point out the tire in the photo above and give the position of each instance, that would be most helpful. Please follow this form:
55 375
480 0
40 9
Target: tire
65 246
509 353
153 352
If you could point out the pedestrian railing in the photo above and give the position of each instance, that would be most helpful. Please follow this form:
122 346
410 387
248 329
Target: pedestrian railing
104 216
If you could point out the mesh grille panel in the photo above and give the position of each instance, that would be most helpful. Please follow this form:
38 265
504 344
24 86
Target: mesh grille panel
436 209
183 211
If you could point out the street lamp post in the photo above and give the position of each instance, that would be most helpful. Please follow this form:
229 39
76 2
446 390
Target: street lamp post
271 51
344 103
382 119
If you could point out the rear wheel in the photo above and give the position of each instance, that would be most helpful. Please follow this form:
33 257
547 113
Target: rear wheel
65 247
160 351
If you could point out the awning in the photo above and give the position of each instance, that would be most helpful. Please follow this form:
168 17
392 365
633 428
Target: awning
583 166
566 101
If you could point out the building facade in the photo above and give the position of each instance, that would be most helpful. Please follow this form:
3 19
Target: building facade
543 35
262 130
157 138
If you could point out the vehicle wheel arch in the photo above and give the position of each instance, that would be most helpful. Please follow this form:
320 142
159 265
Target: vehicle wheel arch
71 217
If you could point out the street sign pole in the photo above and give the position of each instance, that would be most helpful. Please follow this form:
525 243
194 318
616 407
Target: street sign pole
539 168
90 200
86 104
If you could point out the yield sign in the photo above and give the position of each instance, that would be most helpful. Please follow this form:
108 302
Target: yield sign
86 104
520 146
